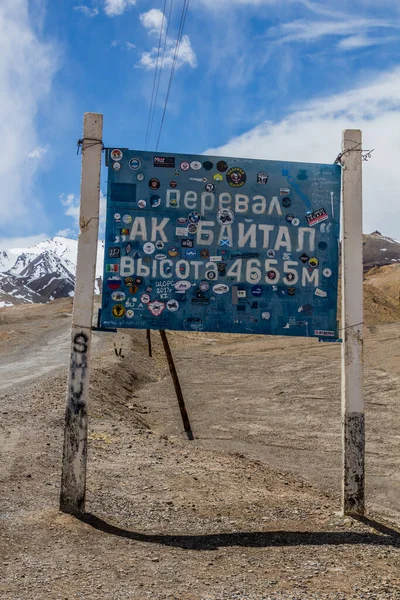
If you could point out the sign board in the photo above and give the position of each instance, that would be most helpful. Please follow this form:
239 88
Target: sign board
208 243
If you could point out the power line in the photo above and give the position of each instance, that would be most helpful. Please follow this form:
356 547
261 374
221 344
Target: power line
174 61
160 68
155 76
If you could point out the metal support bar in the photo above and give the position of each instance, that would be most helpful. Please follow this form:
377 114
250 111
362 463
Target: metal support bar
353 425
73 481
177 386
148 336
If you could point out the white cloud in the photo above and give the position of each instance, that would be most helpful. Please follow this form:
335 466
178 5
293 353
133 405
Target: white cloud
39 152
67 232
71 204
311 31
153 20
313 134
362 41
115 8
130 46
85 10
22 242
186 54
26 72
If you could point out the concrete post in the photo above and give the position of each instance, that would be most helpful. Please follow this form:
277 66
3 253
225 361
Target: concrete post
73 482
353 426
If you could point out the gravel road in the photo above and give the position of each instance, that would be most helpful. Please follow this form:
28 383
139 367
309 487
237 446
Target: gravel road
245 511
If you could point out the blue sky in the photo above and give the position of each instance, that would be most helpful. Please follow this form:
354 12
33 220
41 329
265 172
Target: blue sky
274 79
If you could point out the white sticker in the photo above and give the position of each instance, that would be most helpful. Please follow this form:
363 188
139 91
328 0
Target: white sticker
181 231
220 288
320 293
149 248
182 286
196 165
116 154
327 272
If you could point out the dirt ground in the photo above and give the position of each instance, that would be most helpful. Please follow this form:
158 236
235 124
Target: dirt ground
248 510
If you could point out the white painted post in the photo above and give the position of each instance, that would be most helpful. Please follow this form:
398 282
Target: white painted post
353 425
73 482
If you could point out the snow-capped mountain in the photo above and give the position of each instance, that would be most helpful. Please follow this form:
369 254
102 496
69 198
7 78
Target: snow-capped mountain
42 272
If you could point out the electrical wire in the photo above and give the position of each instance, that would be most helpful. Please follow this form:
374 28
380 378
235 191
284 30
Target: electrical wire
160 69
174 61
155 76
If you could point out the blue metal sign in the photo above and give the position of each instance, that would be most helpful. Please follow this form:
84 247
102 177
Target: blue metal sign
205 243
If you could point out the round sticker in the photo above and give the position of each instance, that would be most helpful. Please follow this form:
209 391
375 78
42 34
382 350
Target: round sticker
204 253
209 187
116 154
160 256
290 276
270 253
154 183
222 166
266 316
192 228
128 281
141 203
218 177
172 252
185 166
117 166
256 290
118 296
135 164
194 217
271 275
286 202
127 219
207 165
140 176
313 262
118 310
159 245
327 272
225 216
196 165
211 275
289 218
173 184
254 275
133 289
295 222
145 298
155 201
204 286
191 253
322 245
236 177
130 314
172 305
148 248
117 216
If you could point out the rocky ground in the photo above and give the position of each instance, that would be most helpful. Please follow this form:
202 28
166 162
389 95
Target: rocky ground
248 510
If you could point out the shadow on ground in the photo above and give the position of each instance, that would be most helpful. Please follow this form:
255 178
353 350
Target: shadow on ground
263 539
